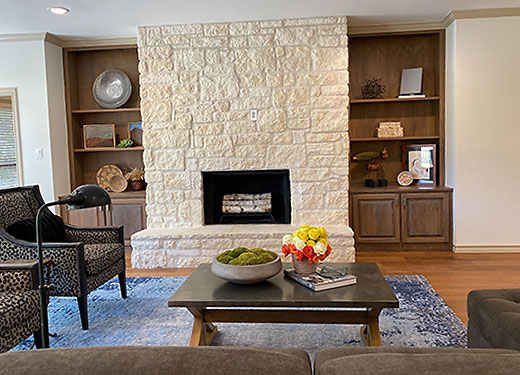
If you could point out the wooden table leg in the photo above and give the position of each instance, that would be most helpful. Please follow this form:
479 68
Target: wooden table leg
211 331
203 332
197 333
370 332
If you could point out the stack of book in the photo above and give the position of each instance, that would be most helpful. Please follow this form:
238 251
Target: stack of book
322 281
390 129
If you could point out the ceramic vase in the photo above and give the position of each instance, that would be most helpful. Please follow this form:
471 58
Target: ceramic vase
304 267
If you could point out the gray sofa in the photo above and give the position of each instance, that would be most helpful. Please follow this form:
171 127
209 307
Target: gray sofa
255 361
494 318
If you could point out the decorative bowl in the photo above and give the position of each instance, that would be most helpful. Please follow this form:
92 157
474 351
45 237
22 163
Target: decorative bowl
246 274
112 88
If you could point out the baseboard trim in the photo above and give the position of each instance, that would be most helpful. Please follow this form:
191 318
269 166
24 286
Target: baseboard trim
474 249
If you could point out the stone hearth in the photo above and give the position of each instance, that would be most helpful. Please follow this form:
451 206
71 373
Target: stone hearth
198 85
188 247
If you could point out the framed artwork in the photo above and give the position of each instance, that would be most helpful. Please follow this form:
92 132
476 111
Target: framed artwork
99 136
135 133
420 161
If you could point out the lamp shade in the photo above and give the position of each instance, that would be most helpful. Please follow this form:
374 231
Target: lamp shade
87 196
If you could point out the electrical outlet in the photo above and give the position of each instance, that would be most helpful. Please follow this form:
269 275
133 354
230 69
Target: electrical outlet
253 115
38 153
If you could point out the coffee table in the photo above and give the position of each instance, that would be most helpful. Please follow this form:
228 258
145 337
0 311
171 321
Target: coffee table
211 300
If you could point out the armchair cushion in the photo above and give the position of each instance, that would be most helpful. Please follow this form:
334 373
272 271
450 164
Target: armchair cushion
99 257
53 229
18 307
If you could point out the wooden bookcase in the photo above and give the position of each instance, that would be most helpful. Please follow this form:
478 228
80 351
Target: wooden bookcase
390 218
81 67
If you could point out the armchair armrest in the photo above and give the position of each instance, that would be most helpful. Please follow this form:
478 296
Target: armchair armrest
68 271
18 275
89 236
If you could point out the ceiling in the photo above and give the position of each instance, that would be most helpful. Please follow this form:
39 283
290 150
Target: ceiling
120 18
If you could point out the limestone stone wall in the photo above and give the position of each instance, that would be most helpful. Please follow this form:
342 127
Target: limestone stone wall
198 84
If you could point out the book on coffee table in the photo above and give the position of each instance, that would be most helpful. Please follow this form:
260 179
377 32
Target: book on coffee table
319 283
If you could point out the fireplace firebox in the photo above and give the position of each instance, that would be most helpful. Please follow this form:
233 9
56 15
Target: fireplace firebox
247 197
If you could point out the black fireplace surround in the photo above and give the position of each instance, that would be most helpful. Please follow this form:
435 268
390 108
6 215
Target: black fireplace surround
217 184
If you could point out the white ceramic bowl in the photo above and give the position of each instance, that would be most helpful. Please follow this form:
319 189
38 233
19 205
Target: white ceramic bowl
246 274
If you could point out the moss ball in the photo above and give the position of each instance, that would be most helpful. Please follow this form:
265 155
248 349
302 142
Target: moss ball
242 256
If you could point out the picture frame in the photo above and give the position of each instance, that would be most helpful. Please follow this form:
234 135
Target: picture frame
135 132
99 136
421 161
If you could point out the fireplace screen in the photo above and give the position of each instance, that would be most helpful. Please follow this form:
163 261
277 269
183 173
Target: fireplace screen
246 197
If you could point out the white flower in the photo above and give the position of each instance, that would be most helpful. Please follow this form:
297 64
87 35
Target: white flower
300 244
320 249
287 239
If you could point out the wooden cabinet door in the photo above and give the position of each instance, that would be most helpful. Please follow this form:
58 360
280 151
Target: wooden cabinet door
84 218
129 213
376 218
425 217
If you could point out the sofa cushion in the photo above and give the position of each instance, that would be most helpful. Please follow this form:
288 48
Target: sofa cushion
158 360
98 257
17 307
424 361
496 315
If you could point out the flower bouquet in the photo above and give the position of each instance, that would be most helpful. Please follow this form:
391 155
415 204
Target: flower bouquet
307 246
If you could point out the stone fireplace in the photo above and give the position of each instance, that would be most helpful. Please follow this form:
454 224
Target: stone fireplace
199 83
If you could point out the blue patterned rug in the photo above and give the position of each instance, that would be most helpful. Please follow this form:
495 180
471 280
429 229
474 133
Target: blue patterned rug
423 319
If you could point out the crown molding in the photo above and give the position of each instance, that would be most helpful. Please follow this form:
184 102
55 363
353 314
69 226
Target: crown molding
97 42
33 37
443 24
394 28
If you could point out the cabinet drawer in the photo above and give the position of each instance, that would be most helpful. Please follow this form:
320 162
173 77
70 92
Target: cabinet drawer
376 218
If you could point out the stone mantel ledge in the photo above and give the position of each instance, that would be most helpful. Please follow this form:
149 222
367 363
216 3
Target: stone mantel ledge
190 246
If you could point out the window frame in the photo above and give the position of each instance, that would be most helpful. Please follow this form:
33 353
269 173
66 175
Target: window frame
12 92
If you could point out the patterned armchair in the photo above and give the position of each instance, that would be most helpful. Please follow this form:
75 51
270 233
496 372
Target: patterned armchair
89 258
19 304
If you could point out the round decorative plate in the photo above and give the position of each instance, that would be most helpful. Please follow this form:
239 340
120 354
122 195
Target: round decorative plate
112 88
117 183
404 178
104 172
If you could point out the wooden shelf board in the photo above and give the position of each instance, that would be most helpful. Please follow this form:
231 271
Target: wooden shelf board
415 138
109 149
358 187
393 100
106 110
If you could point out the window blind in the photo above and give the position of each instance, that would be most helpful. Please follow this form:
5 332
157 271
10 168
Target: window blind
8 167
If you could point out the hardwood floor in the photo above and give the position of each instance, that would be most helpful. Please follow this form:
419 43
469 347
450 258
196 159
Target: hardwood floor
451 275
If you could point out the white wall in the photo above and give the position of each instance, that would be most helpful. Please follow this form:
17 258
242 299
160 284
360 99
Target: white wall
483 132
24 65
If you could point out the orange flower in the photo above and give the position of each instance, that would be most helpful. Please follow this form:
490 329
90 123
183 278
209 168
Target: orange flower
299 255
288 249
329 249
308 251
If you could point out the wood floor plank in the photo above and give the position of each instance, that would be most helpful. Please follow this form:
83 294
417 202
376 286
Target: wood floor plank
452 275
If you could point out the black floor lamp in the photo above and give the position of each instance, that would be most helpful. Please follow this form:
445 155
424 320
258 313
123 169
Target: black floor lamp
82 197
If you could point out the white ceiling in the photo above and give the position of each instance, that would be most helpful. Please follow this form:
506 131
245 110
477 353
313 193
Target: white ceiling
119 18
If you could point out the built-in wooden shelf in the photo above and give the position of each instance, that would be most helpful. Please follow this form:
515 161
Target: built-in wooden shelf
109 149
106 110
374 139
393 100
